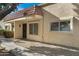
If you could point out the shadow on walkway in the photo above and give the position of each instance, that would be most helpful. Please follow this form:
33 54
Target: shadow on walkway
52 51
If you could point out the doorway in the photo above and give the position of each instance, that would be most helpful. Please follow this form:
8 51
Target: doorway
24 28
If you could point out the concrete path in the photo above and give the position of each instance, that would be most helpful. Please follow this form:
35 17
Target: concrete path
15 49
30 48
46 49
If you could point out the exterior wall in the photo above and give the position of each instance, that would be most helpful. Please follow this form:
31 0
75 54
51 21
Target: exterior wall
76 32
53 13
18 29
35 37
62 38
4 24
8 26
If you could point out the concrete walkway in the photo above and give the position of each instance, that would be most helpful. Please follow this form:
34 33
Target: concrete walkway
15 49
46 49
31 48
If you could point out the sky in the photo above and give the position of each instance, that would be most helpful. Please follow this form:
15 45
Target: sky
26 5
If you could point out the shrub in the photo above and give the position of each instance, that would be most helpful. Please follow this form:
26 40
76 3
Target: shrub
8 34
1 32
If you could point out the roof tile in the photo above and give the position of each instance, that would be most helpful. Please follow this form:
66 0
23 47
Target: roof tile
24 12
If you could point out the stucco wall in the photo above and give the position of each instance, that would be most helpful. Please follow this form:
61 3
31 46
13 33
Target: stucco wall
35 37
76 32
18 29
3 24
8 25
62 38
52 14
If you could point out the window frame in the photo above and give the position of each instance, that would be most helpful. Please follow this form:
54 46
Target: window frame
71 24
54 29
34 32
33 24
31 32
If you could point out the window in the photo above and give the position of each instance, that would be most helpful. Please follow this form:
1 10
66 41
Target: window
60 26
36 29
54 26
33 28
65 26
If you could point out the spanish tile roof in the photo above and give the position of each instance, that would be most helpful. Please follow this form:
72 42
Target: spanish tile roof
25 12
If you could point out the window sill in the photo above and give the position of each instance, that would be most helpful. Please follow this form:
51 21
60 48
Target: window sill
63 31
33 34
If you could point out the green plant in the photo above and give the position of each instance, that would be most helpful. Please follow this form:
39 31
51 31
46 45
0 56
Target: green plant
8 34
1 32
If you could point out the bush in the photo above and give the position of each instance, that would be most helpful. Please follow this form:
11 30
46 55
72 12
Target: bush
1 32
8 34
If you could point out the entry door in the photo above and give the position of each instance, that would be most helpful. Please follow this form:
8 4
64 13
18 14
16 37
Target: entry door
24 30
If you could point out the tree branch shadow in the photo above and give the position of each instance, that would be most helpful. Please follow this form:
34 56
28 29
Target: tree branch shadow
52 51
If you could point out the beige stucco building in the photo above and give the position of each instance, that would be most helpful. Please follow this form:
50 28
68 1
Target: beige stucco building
51 23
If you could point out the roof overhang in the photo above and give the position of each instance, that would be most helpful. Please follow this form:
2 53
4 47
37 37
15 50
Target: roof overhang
34 17
66 17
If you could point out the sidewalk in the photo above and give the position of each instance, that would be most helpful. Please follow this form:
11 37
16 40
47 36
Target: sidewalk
30 48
